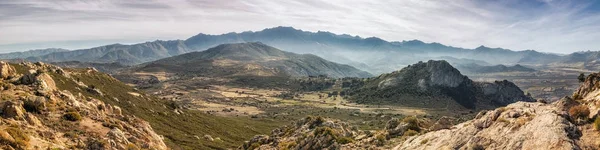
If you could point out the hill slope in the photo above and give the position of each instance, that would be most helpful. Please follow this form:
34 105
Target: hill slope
435 84
250 59
113 115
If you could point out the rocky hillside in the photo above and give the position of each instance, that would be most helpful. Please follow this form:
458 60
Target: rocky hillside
324 133
37 114
249 59
50 107
435 84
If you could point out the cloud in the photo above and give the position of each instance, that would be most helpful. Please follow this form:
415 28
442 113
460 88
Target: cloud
560 26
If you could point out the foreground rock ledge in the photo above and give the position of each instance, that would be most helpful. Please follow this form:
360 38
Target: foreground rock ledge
522 125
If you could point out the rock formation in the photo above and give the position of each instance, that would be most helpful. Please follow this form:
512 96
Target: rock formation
436 84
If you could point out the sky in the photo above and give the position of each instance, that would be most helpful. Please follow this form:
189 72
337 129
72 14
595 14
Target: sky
556 26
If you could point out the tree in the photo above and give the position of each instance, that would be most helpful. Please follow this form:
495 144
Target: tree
581 77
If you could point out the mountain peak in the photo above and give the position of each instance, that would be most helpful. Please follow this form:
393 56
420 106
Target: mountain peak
281 29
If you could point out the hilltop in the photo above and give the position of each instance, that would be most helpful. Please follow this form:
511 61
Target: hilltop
435 84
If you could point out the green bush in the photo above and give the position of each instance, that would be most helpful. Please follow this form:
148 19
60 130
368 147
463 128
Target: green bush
597 123
344 140
72 116
413 123
21 140
410 132
380 140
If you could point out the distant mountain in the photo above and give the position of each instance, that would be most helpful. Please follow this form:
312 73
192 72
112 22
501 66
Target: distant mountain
435 84
371 54
124 54
476 69
250 59
31 53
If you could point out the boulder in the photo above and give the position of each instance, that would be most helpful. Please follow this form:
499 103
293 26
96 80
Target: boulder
12 110
442 123
6 70
117 135
33 120
46 83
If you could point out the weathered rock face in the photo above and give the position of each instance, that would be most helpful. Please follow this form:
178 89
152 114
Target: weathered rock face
522 125
443 74
6 70
590 85
503 92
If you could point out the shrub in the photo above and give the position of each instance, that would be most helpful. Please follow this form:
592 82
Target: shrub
597 123
581 77
72 116
380 139
344 140
287 145
576 96
579 112
410 132
413 123
21 140
132 146
424 141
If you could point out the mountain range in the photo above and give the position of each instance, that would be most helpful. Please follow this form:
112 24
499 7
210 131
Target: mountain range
371 54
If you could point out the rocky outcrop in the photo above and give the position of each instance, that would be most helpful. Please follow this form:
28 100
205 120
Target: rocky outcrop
436 84
503 92
6 70
308 133
12 110
522 125
591 84
443 74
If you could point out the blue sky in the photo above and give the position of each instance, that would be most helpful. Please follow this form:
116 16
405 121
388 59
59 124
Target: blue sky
558 26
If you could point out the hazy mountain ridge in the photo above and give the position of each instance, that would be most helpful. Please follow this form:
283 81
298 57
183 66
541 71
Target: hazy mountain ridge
379 55
31 53
476 68
371 54
124 54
